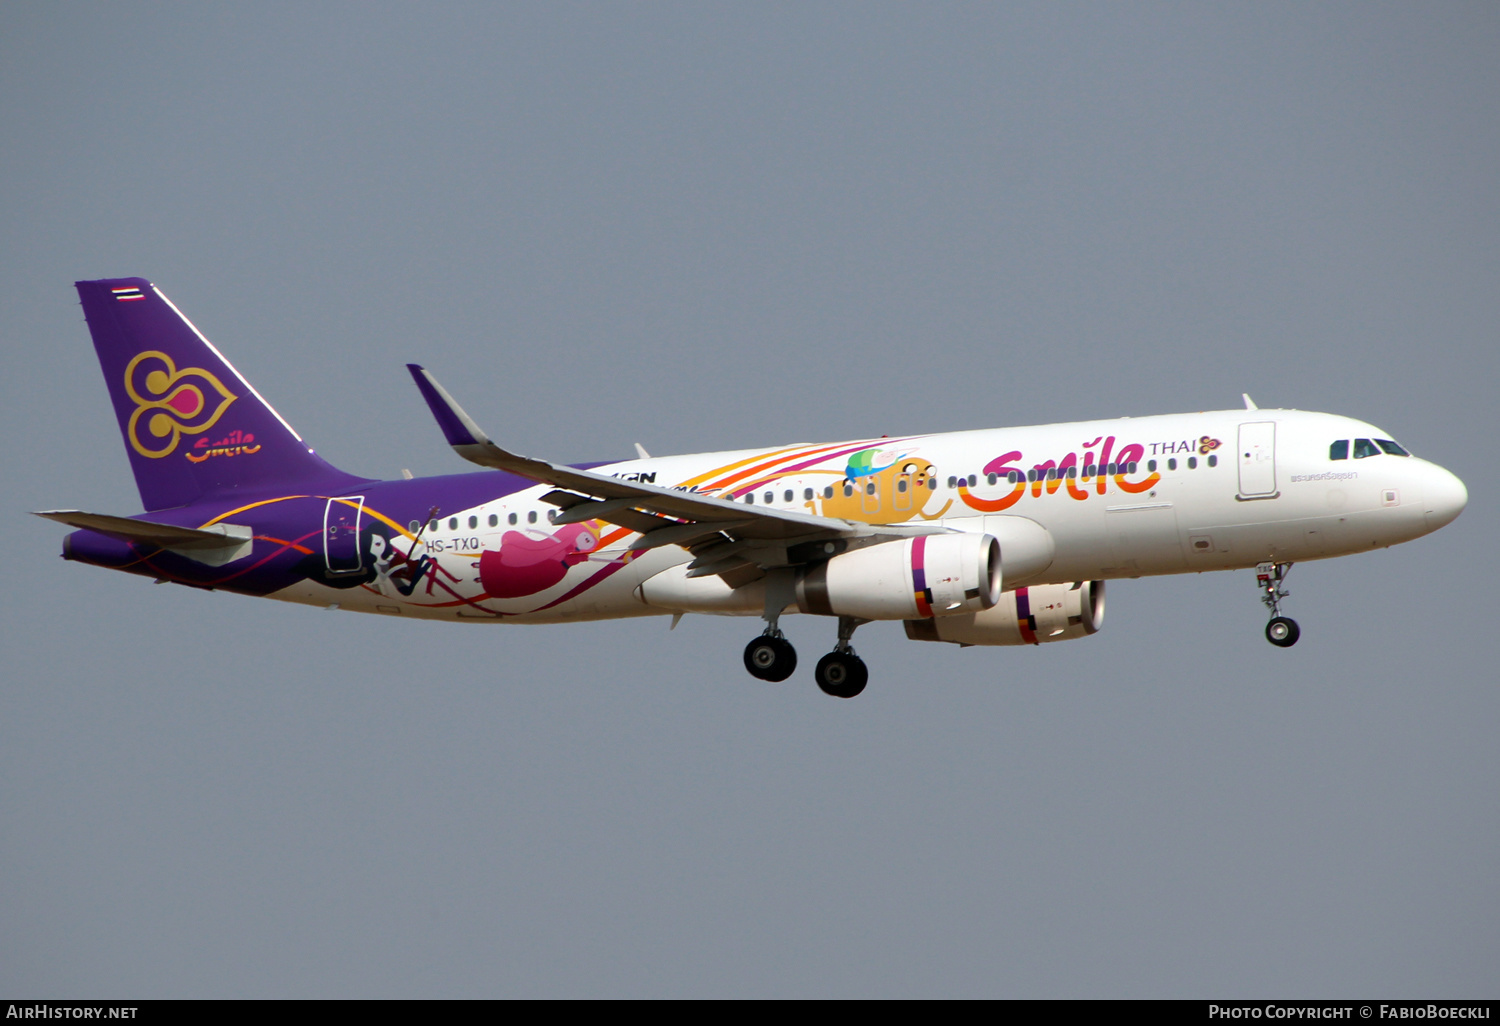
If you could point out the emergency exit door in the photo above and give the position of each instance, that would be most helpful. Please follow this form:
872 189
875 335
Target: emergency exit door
1257 459
341 524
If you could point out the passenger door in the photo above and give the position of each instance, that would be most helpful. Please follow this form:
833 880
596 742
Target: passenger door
1257 460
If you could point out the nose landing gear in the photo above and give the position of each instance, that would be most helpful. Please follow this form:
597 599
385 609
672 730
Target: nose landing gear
1282 631
841 673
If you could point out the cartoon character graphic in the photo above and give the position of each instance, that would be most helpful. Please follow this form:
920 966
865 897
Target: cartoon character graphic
380 563
394 572
525 565
883 486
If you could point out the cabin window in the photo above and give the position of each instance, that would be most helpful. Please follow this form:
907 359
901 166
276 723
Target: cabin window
433 526
828 492
453 523
1150 465
870 488
749 498
1172 463
1014 477
1051 473
494 520
973 480
414 526
1192 463
1072 472
901 485
473 523
848 489
1339 450
807 493
1213 461
1088 470
1364 447
768 498
991 478
531 517
787 496
1031 475
551 515
511 518
1391 448
952 482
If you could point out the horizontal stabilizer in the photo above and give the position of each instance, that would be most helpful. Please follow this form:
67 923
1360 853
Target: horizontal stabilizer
213 546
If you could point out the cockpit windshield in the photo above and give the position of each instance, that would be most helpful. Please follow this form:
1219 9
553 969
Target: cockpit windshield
1364 447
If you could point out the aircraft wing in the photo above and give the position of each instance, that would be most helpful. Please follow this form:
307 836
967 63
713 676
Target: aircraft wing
727 538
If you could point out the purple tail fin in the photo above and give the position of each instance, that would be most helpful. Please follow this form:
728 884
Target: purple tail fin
193 427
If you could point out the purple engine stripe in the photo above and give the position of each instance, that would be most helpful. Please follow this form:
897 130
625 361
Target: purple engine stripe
1023 606
918 568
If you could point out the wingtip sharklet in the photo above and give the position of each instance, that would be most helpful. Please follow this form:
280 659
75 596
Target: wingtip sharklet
458 427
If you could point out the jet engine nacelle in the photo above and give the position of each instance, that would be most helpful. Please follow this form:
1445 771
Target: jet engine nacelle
1026 616
939 575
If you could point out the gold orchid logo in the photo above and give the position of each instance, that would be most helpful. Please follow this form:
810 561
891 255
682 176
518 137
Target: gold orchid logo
171 402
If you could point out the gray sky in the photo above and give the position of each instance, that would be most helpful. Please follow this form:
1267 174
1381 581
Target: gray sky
716 226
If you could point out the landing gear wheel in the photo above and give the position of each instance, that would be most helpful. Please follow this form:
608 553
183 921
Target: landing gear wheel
1283 631
841 674
770 658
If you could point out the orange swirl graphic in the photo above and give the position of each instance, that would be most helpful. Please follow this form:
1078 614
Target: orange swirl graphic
172 402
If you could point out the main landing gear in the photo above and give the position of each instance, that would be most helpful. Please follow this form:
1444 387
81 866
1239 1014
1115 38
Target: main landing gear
840 673
1282 631
771 656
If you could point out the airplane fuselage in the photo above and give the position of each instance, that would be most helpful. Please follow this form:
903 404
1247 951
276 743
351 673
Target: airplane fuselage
1120 498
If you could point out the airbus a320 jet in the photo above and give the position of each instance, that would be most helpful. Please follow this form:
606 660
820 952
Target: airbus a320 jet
1002 536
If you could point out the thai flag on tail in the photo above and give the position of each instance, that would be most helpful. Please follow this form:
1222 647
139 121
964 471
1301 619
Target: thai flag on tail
126 295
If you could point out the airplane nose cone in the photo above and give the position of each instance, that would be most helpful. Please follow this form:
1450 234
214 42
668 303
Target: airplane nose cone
1445 497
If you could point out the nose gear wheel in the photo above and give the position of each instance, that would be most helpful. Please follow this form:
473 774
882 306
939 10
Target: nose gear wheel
1283 632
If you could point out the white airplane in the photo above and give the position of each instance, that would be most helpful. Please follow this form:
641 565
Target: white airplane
1002 536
